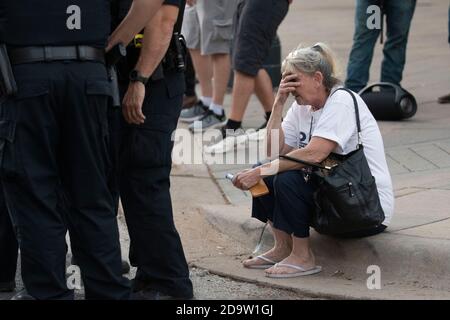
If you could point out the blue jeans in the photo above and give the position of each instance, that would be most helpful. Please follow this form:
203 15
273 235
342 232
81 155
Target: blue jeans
289 205
398 20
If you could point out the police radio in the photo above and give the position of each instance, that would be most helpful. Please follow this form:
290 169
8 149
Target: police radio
178 43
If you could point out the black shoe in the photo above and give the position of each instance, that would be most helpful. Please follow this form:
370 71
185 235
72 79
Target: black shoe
232 132
444 99
125 265
7 286
263 126
152 294
22 295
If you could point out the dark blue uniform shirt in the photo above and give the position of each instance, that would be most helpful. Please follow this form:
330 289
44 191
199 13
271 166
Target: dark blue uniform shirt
55 22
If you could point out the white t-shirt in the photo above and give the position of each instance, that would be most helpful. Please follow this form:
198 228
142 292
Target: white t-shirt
336 121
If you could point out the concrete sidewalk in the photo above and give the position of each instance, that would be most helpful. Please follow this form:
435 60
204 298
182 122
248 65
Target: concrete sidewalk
414 254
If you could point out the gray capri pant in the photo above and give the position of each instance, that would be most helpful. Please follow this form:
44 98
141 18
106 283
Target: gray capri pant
208 26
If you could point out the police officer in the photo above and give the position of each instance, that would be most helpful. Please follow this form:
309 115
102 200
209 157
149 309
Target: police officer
53 138
151 107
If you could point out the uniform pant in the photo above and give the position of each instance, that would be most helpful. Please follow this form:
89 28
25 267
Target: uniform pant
398 18
8 244
145 160
56 156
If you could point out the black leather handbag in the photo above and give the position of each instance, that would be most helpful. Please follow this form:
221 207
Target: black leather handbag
346 197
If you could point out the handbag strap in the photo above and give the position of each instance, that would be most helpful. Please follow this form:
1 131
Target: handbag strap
355 103
358 125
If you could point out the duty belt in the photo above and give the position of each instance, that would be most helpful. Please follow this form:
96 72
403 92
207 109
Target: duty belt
60 53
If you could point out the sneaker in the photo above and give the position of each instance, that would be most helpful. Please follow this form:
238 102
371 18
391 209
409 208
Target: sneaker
209 121
194 113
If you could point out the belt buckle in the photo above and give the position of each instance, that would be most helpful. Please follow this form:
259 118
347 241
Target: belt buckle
48 54
81 53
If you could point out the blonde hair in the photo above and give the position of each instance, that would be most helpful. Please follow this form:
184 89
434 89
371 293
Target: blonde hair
309 60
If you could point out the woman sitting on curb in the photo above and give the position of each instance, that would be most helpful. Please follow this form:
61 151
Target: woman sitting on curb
320 122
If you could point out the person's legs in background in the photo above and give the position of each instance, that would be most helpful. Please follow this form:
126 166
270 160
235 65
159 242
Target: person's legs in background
243 87
202 67
446 98
221 75
364 40
251 47
264 92
190 96
216 23
261 85
398 18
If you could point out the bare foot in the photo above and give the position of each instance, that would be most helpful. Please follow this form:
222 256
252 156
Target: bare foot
274 254
306 262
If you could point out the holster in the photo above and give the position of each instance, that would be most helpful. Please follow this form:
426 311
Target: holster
8 86
113 57
174 60
113 78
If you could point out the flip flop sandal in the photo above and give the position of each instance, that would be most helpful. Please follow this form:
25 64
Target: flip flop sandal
301 271
270 263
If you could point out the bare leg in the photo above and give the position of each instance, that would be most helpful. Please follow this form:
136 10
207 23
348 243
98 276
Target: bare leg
264 90
281 249
221 72
243 88
203 68
301 256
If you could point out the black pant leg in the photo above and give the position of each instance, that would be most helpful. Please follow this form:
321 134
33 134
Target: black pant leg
156 248
8 244
29 174
263 207
294 203
114 125
86 171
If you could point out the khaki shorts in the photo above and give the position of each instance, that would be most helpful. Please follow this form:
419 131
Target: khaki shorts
208 26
